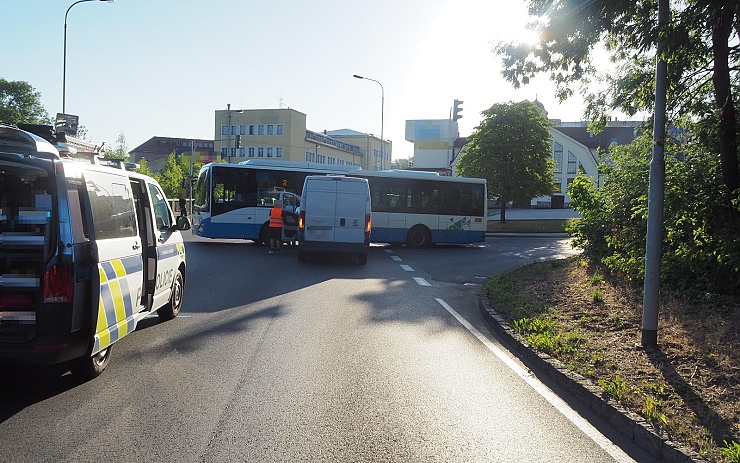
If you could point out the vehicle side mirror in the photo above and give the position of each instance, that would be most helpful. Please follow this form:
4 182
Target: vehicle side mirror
182 223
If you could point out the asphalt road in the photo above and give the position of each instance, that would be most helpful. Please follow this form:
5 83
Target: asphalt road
276 360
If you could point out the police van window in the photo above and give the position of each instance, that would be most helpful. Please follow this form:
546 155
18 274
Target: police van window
111 205
162 216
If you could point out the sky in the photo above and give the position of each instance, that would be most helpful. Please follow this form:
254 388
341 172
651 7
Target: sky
146 68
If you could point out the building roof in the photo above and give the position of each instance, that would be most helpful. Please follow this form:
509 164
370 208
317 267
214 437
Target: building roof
345 133
622 135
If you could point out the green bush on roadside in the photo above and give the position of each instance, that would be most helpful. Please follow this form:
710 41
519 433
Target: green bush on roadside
700 248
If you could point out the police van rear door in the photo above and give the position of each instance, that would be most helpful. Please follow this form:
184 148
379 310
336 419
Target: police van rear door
118 250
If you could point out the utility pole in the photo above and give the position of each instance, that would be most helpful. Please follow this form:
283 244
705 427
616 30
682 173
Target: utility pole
653 252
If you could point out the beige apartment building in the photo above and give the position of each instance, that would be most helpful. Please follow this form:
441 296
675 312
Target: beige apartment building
281 135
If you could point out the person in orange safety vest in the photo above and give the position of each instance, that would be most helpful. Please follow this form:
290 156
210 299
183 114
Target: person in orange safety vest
276 228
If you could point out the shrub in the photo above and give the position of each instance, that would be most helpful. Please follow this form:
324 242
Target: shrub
700 247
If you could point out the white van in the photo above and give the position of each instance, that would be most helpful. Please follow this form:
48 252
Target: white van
87 251
335 216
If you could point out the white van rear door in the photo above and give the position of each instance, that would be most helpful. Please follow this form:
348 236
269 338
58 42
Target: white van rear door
352 198
320 209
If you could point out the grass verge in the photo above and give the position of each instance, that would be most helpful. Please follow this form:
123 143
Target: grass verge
527 226
688 389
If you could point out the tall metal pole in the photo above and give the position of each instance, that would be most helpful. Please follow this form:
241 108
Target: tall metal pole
382 113
64 68
228 148
653 254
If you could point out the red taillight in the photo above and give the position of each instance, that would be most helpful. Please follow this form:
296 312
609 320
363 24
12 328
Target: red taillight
58 285
301 220
368 223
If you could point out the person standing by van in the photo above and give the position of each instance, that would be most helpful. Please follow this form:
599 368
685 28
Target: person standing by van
276 228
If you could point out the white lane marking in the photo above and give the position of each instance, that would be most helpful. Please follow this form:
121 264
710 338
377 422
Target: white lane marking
397 259
421 281
388 251
407 268
559 404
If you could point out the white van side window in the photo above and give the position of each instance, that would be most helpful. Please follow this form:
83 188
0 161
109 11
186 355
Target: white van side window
111 205
162 216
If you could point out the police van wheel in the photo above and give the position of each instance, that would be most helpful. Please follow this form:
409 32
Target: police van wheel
89 367
172 308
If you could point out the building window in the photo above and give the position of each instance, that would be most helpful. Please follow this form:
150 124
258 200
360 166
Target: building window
233 130
242 152
279 129
242 130
572 163
224 130
251 152
269 151
279 152
260 152
233 152
260 129
223 152
251 130
558 154
270 129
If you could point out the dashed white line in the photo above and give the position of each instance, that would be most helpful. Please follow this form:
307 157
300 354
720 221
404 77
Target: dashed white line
559 404
397 259
407 268
421 281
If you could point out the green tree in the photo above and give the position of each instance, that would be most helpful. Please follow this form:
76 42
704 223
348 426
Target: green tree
121 149
171 176
403 163
144 168
20 103
701 51
511 150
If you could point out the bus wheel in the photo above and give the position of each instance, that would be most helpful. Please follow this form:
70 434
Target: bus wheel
172 308
419 237
90 367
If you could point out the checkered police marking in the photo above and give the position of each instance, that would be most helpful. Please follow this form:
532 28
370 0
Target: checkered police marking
116 304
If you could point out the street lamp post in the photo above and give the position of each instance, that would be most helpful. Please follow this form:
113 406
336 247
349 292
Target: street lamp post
382 111
64 69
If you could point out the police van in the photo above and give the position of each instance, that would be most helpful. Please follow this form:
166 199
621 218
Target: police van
86 251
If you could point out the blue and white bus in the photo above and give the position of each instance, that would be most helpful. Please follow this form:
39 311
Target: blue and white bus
415 208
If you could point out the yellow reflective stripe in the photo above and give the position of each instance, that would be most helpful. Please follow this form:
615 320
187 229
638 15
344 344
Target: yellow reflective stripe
119 268
103 276
118 305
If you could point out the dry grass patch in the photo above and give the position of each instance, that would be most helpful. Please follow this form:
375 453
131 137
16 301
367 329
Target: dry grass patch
688 388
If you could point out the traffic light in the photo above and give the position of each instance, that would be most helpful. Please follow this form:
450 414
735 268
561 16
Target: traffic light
457 109
238 141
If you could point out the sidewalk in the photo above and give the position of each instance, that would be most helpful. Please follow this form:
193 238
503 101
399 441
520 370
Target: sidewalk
535 214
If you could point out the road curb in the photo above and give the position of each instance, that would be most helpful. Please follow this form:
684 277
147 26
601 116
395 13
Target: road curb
627 423
528 235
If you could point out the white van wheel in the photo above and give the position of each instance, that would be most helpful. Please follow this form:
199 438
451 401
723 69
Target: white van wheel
89 367
172 308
